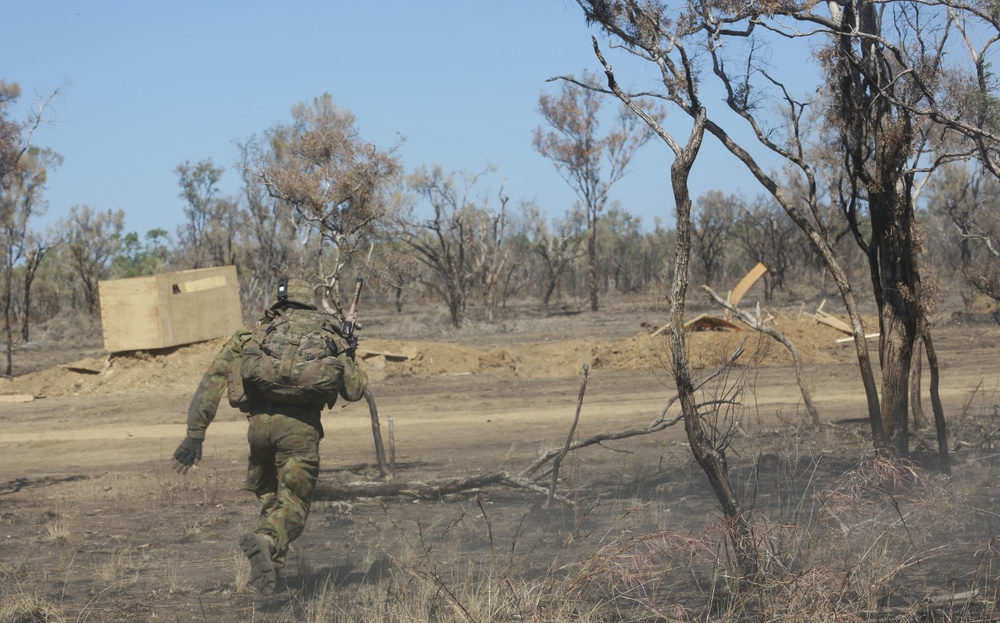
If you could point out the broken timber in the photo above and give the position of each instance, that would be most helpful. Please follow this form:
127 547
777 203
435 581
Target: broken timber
704 322
12 398
364 353
748 280
831 321
845 340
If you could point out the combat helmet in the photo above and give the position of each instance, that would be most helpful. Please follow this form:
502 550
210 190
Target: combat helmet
295 291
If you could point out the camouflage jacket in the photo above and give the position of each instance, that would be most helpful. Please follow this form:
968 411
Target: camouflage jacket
215 381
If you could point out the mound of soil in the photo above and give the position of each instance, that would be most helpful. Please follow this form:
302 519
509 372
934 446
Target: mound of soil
183 366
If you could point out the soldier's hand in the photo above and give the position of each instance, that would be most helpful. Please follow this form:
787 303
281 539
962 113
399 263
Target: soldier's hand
186 455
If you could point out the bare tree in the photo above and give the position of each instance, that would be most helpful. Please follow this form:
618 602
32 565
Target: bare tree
208 237
708 443
337 183
658 33
875 159
559 249
446 243
590 163
714 215
20 201
92 239
492 253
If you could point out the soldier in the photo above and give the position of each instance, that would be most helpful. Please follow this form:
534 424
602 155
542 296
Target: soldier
284 438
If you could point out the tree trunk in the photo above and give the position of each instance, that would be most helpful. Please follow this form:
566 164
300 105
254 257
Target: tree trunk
547 295
897 289
8 298
592 261
939 423
712 459
916 408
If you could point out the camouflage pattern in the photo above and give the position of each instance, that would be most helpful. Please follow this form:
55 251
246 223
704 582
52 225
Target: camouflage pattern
284 441
214 382
294 291
355 380
292 358
284 465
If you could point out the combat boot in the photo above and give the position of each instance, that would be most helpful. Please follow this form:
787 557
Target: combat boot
259 548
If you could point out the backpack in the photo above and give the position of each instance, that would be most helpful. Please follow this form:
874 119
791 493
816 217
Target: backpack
291 358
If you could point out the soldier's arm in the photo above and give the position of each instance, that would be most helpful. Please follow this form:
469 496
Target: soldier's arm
355 379
205 402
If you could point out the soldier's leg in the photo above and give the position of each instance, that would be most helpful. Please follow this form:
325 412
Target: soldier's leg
262 474
297 461
262 479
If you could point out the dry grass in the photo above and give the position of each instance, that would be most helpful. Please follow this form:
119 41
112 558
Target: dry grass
57 530
868 546
871 548
25 608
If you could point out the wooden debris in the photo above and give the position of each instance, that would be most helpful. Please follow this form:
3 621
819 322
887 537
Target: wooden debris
748 280
831 321
365 353
89 365
845 340
12 398
704 322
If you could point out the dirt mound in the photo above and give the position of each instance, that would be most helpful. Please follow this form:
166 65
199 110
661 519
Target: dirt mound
182 367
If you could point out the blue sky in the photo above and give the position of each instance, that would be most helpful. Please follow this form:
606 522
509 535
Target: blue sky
146 86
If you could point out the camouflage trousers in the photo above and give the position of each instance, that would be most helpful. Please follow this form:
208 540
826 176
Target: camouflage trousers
284 465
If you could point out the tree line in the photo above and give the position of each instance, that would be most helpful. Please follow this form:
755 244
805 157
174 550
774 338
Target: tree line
317 200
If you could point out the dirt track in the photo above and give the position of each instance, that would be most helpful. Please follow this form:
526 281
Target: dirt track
127 415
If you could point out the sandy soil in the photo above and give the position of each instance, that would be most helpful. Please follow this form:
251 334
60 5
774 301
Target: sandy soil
93 520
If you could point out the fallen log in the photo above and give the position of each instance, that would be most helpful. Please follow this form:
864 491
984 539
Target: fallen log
430 490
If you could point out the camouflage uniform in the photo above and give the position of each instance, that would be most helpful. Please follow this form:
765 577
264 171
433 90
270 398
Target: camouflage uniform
284 443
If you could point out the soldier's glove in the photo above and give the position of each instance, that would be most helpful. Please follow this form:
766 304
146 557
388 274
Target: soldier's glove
186 455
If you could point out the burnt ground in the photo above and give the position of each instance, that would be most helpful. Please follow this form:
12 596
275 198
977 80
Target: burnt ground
95 526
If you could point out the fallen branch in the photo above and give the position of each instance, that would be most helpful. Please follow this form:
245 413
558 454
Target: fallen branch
430 490
655 426
435 490
757 324
569 438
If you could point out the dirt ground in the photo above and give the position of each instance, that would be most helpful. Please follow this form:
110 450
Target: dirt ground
94 524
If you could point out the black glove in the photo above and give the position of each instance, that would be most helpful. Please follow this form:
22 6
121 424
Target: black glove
187 454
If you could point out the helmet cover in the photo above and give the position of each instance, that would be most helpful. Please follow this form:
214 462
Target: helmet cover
296 291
